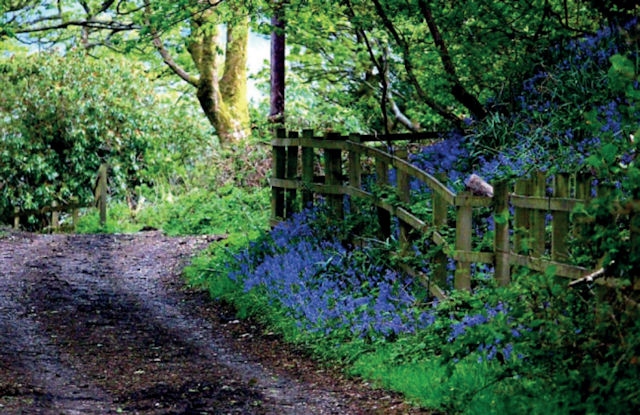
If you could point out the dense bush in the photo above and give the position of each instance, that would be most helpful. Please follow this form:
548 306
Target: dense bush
61 116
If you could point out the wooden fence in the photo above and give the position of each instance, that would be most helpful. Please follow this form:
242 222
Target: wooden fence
100 197
531 217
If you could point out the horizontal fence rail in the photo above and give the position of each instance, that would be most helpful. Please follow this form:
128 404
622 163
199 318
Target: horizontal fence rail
531 225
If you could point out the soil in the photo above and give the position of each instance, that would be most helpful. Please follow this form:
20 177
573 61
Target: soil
103 324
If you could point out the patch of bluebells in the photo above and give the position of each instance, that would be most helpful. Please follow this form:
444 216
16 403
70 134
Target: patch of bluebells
491 347
448 156
458 328
303 267
326 287
542 135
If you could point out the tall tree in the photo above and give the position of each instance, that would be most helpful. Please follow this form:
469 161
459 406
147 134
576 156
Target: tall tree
170 27
278 57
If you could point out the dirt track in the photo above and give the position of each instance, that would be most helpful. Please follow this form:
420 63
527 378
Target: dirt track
101 324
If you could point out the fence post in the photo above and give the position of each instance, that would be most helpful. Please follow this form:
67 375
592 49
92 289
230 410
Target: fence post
538 217
355 168
16 217
102 193
583 186
464 215
279 169
583 192
404 195
291 173
384 217
333 176
560 223
307 171
440 259
501 242
55 216
522 215
75 212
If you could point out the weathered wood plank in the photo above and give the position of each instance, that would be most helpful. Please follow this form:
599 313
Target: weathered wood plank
55 216
467 199
427 282
554 204
408 168
522 218
278 167
404 195
501 246
355 169
538 233
440 211
384 217
333 175
291 173
560 221
462 279
542 265
471 256
307 171
102 193
331 144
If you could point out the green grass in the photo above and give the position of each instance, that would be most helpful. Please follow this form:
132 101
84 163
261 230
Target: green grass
230 210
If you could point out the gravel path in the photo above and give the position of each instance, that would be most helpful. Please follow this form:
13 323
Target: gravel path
102 324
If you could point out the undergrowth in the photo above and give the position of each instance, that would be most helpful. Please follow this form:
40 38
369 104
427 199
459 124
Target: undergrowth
536 346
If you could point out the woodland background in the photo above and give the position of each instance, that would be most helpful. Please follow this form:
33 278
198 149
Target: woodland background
158 90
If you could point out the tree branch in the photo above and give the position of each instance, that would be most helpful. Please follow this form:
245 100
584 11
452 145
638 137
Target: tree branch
164 53
460 93
92 24
439 109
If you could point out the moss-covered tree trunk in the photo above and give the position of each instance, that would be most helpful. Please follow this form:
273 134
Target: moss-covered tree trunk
223 99
221 90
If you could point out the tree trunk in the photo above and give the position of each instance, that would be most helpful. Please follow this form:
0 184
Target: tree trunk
277 101
223 100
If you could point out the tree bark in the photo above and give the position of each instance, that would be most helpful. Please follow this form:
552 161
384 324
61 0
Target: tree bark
223 100
278 43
